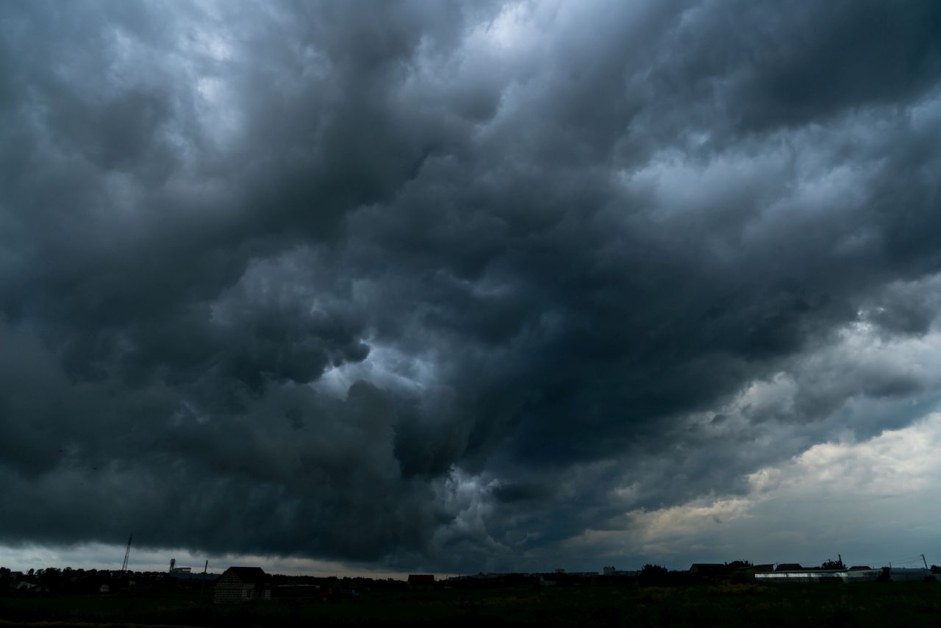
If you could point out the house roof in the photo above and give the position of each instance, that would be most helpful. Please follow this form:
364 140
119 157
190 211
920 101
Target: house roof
247 574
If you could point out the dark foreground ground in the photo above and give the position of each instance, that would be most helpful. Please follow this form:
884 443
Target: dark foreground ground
869 604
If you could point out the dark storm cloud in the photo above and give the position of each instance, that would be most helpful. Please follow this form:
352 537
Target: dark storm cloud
426 284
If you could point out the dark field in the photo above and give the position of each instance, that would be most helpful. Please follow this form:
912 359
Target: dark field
867 604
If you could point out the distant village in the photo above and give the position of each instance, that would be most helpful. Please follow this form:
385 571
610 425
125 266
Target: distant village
242 584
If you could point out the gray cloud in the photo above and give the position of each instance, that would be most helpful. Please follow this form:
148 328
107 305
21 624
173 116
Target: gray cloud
434 286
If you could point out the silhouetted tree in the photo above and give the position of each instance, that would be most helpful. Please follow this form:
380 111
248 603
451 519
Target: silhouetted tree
653 573
738 564
653 570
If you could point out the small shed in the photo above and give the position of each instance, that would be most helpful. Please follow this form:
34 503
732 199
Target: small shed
241 584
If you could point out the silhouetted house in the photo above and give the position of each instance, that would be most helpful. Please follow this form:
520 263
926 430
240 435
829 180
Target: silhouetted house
241 584
421 579
910 574
708 569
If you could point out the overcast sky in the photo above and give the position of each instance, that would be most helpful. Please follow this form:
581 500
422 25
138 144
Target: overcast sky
472 286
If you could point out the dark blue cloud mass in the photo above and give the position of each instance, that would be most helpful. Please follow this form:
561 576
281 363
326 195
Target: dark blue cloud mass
450 286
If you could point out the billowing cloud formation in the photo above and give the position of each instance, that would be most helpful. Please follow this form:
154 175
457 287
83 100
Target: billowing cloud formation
444 286
848 489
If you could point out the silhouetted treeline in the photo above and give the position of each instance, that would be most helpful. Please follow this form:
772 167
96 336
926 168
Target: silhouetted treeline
53 580
102 581
68 580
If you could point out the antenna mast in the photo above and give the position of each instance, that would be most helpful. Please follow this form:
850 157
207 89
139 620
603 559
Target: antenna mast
127 554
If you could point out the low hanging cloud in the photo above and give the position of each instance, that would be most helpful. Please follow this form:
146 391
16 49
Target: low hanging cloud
426 285
835 496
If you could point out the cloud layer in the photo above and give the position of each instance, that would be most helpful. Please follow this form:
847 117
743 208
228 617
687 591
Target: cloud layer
430 285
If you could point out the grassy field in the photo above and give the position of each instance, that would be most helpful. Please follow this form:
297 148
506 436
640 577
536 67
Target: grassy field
869 604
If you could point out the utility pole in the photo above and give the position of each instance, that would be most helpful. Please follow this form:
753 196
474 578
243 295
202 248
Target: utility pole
127 554
924 561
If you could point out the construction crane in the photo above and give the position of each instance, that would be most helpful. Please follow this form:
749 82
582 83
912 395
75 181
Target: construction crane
127 554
